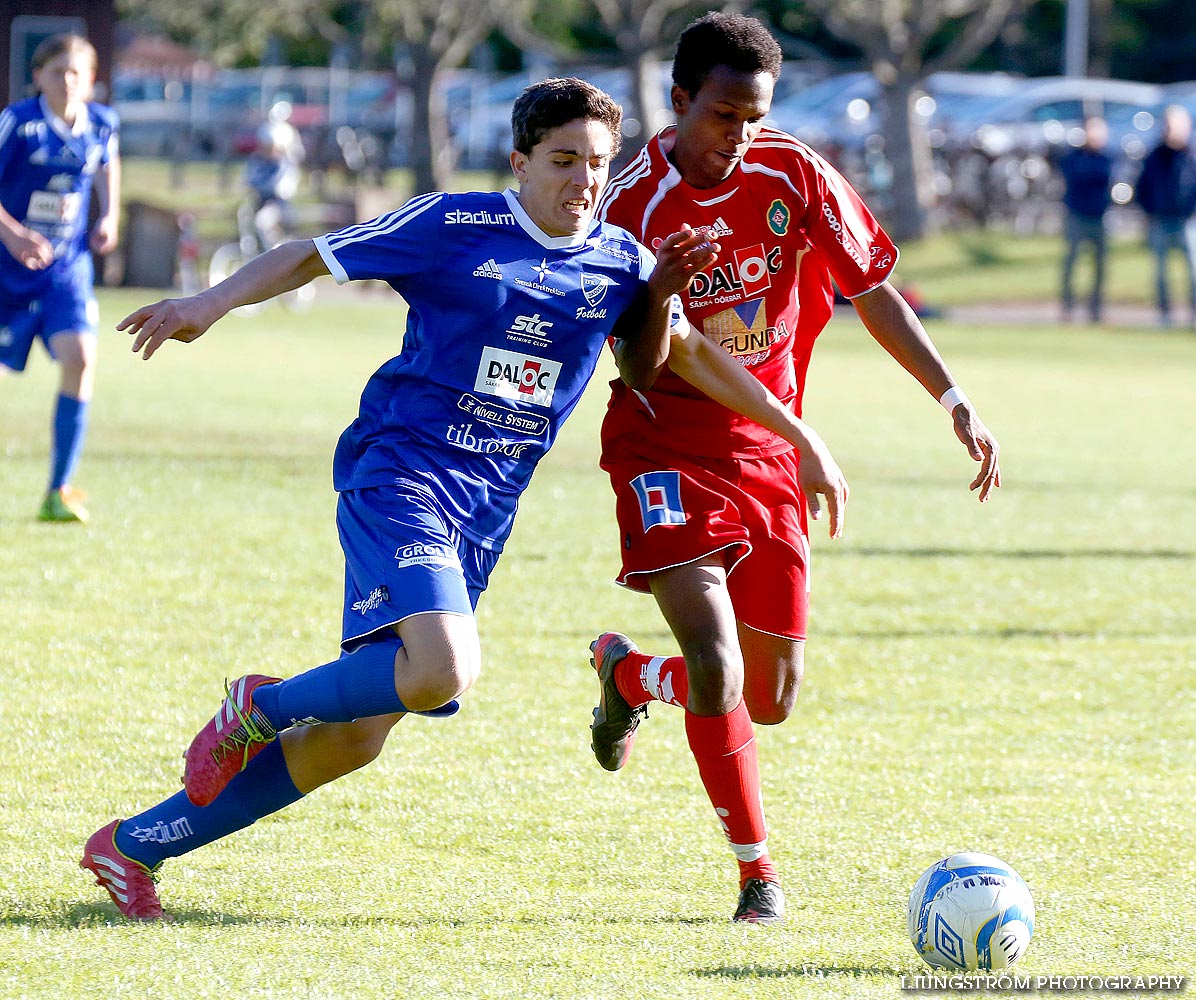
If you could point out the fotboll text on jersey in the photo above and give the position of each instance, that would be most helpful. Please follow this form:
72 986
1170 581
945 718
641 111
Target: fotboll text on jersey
749 272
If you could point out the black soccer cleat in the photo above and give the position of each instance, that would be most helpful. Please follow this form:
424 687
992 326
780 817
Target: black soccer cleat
615 721
760 902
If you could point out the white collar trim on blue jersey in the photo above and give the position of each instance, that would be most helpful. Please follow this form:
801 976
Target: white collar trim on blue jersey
59 125
538 234
83 120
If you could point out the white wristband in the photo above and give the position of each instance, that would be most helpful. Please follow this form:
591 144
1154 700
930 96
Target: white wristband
952 398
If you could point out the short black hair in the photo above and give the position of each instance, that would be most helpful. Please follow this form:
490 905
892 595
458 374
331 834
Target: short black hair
719 39
552 103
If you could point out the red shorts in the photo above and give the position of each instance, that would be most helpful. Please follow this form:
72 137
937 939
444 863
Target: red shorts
751 511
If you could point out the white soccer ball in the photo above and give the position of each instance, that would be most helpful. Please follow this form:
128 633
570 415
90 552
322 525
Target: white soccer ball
970 911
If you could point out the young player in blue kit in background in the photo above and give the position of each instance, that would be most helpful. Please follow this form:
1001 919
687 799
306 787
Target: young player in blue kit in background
511 299
54 149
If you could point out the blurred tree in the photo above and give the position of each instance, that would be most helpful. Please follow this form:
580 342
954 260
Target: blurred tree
904 41
434 36
638 28
238 32
636 34
1149 40
426 36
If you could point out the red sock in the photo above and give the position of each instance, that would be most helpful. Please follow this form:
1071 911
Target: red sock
724 747
642 678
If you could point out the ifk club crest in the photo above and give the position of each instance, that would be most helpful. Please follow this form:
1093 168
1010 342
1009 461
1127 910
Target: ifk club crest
778 217
594 287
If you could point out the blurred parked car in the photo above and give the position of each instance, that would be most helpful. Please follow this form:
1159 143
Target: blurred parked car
842 112
482 127
218 115
153 111
1039 115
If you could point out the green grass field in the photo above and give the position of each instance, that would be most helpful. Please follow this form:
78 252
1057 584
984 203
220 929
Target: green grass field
1015 678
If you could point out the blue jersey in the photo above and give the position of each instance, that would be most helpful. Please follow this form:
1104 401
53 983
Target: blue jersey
504 330
46 173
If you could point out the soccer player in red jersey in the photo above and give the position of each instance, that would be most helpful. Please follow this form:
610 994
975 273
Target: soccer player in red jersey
710 506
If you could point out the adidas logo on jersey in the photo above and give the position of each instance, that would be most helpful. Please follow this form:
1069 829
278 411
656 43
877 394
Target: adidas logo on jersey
719 228
488 270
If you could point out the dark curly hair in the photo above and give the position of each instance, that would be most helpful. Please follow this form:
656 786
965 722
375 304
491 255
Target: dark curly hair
719 39
552 103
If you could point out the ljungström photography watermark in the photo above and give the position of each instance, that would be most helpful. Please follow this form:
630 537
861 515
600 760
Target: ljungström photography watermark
1009 983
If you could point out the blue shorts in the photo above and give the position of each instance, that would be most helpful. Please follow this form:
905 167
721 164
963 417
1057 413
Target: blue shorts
403 558
67 305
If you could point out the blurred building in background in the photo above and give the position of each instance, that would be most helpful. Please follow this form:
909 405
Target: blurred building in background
25 23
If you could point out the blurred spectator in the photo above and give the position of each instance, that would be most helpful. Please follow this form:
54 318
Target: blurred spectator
1167 194
1087 176
272 176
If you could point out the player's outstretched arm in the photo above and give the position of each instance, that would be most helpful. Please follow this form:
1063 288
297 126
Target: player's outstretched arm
642 332
282 269
711 369
893 324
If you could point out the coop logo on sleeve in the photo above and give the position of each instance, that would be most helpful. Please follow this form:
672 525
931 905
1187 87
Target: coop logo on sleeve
510 375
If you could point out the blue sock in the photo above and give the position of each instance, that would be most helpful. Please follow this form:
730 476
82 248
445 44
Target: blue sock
359 685
175 826
70 428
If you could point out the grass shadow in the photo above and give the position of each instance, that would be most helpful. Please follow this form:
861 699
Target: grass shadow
804 971
996 634
929 552
100 913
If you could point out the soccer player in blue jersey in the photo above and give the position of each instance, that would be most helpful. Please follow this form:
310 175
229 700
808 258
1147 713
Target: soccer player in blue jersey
56 148
511 298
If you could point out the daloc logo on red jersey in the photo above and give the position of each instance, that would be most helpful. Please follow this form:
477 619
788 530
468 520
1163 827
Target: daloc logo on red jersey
752 265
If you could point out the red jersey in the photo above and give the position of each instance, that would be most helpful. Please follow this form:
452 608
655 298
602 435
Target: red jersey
788 224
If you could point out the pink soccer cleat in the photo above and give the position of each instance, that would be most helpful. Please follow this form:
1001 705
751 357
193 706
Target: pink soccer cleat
129 883
223 748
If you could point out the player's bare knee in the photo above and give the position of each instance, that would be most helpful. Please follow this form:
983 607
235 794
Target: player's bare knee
715 676
362 742
436 678
710 653
771 694
769 712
